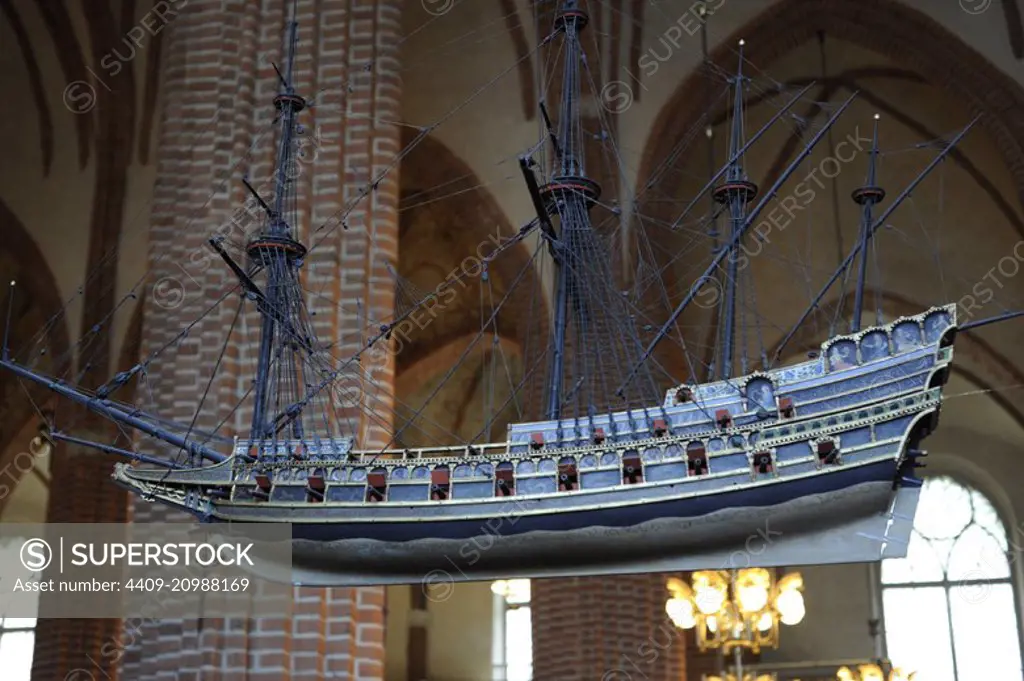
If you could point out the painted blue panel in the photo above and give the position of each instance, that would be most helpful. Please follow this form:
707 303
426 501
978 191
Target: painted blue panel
868 453
652 455
751 418
721 464
874 345
622 423
894 428
796 469
346 493
546 466
690 431
855 437
526 467
473 490
597 479
485 470
665 471
357 474
535 485
889 388
842 355
880 375
794 450
408 493
400 474
760 395
588 461
915 383
609 459
935 324
421 473
462 471
673 452
906 336
338 474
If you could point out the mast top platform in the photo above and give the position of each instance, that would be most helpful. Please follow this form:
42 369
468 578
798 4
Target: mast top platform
571 12
291 101
744 189
563 185
862 195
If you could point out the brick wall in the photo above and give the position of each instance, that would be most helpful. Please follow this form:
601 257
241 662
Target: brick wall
605 629
218 86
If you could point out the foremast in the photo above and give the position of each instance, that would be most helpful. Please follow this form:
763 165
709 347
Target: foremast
279 254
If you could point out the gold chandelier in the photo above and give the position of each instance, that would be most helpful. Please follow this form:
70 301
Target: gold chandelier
874 672
748 617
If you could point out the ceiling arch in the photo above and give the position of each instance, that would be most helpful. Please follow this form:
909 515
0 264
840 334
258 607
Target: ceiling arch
485 379
37 325
447 219
886 27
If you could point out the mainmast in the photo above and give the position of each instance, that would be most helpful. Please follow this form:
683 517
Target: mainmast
866 196
277 252
570 195
736 191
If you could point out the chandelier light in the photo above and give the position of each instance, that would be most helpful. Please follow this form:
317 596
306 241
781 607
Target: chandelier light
514 591
736 609
874 672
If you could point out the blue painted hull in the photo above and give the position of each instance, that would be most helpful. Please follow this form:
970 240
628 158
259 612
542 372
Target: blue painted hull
633 511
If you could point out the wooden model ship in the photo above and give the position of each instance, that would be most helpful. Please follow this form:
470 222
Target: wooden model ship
813 460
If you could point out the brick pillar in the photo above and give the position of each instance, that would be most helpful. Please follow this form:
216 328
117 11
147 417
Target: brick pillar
605 629
218 87
81 493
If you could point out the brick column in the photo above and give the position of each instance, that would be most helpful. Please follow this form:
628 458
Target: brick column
605 629
218 90
80 493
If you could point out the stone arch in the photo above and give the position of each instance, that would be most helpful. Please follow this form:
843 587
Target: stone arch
884 26
37 308
468 389
445 215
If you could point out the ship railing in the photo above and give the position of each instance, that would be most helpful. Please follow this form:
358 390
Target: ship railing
549 473
901 336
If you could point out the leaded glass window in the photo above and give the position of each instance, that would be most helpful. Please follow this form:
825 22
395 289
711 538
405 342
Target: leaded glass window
950 612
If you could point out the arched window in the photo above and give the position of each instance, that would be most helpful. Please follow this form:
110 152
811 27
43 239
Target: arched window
17 640
949 606
17 634
514 659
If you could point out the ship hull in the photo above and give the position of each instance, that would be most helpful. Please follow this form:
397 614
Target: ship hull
864 522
